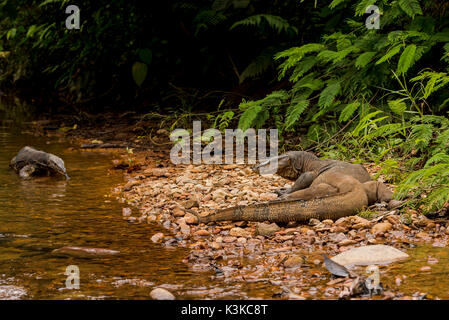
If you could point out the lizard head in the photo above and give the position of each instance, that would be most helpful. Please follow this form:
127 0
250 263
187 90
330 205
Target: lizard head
282 166
57 164
289 165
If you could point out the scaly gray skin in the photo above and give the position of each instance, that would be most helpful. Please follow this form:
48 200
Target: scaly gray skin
333 190
304 167
29 162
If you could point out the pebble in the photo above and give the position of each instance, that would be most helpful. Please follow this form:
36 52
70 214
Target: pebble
239 232
423 235
229 239
202 232
126 212
381 227
157 237
242 240
185 229
267 196
190 218
161 294
178 212
293 262
264 229
191 204
346 242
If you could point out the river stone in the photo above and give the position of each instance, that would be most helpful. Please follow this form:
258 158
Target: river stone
264 229
126 212
381 227
157 237
239 232
293 262
366 255
161 294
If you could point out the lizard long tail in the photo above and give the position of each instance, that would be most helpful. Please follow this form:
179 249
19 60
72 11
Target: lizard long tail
332 207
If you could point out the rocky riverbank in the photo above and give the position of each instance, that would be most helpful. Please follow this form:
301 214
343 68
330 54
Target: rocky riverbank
289 256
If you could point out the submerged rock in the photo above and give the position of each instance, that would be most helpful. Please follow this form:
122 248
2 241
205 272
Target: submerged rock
83 252
366 255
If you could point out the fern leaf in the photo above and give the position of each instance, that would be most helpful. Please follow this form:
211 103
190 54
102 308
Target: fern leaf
389 129
303 67
348 111
397 106
421 135
407 59
437 158
437 198
410 7
361 7
364 59
335 56
392 52
276 22
294 111
258 66
294 56
329 93
310 82
335 3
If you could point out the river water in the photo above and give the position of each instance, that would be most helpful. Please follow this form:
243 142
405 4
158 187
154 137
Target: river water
39 215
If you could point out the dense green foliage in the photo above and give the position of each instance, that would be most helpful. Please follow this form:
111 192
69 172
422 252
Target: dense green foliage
390 87
147 52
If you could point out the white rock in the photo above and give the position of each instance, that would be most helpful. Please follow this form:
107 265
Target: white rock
367 255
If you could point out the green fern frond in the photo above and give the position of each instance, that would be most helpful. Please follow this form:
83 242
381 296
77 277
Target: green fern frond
335 3
255 113
302 68
258 66
407 59
294 56
276 22
336 56
361 7
437 198
348 111
387 130
421 135
392 52
309 81
410 7
364 59
398 106
294 111
329 93
435 81
438 158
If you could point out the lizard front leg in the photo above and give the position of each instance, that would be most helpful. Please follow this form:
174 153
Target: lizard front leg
303 181
321 190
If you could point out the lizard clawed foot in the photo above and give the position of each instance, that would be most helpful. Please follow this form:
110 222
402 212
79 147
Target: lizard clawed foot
282 191
285 196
